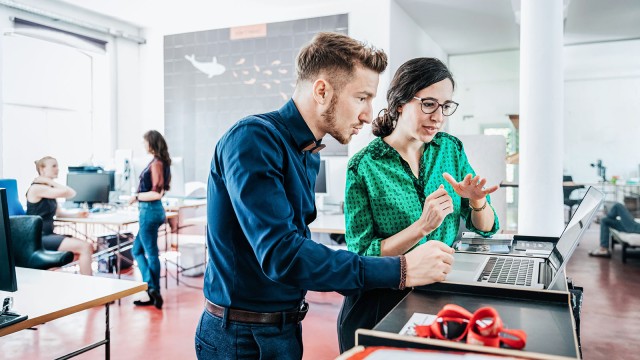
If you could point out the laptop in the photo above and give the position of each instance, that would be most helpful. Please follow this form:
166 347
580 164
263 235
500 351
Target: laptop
527 272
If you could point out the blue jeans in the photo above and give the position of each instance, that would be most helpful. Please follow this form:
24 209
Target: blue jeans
220 339
625 224
145 247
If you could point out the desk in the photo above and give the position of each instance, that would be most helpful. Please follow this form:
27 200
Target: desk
117 219
545 316
328 223
179 205
39 297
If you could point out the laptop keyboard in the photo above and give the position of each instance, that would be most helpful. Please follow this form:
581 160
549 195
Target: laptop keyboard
510 271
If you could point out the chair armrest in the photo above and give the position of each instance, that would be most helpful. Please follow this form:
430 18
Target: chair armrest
44 259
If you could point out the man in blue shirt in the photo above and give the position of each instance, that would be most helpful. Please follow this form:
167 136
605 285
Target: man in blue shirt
261 200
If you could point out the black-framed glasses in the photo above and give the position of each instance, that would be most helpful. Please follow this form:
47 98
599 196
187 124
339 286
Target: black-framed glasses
431 105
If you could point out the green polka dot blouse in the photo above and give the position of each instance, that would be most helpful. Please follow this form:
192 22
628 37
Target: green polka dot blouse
383 197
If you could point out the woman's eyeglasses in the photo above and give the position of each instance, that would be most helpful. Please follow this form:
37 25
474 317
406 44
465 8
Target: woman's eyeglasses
430 105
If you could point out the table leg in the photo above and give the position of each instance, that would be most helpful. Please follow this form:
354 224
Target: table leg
107 333
166 250
118 255
178 251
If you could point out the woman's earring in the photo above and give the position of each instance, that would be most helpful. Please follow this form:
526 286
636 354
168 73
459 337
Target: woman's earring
394 123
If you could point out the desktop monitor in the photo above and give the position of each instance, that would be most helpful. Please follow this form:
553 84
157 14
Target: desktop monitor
7 264
90 188
96 169
112 179
321 180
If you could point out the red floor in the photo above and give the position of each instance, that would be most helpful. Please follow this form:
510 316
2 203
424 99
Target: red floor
610 319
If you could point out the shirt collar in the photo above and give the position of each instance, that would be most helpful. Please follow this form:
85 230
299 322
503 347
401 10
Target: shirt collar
380 148
298 128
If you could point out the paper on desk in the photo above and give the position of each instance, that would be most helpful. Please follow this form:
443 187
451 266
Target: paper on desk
425 319
416 319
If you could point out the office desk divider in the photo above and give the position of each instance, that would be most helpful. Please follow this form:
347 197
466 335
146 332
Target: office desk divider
546 316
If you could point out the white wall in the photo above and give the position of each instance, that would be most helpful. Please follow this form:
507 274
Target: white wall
369 21
602 111
409 41
123 85
486 89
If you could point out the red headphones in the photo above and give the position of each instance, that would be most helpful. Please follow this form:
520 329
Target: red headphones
484 327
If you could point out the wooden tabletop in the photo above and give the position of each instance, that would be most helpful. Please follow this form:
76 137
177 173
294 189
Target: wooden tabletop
186 204
198 220
48 295
110 218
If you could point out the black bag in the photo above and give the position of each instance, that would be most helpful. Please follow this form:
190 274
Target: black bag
107 262
363 311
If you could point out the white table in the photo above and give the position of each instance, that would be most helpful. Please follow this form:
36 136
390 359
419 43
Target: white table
328 223
48 295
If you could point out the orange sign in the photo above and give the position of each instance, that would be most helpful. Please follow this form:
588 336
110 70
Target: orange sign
248 32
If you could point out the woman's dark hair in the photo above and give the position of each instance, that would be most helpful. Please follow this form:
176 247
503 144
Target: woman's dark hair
411 77
159 149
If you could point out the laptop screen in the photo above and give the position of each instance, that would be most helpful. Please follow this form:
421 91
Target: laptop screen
573 231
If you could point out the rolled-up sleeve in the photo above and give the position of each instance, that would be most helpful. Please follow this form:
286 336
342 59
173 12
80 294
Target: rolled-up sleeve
157 176
254 176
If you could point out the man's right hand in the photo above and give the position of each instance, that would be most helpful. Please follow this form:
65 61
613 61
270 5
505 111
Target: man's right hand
436 207
428 263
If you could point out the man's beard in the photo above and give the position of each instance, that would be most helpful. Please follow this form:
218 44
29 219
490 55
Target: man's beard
331 122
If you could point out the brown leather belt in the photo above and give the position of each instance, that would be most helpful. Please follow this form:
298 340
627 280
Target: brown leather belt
259 318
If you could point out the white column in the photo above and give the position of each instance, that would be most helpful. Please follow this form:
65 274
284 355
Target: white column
540 204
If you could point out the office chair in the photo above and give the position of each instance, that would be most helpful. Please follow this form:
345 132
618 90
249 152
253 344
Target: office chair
567 190
26 236
13 198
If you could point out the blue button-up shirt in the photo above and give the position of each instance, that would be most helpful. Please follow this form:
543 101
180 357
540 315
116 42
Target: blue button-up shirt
260 202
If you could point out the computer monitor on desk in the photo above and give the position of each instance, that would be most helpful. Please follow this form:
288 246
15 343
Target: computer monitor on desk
321 180
321 185
7 264
90 188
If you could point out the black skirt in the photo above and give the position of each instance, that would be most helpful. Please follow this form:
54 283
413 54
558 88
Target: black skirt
52 241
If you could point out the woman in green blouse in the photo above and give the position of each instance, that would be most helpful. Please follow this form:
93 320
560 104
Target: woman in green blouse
410 185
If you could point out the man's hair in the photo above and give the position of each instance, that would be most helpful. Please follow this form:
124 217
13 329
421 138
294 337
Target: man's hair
40 164
337 55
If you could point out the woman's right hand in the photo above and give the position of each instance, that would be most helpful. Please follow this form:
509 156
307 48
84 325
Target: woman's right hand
436 207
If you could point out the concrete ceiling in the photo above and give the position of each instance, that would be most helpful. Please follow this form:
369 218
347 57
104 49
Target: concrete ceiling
459 26
472 26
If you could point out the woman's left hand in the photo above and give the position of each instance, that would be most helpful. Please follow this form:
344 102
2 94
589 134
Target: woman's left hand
470 187
132 200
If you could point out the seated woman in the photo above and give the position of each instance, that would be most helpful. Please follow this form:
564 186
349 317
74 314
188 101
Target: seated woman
618 218
41 201
410 185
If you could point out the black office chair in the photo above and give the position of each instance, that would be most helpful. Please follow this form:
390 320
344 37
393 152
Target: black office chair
567 190
26 236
